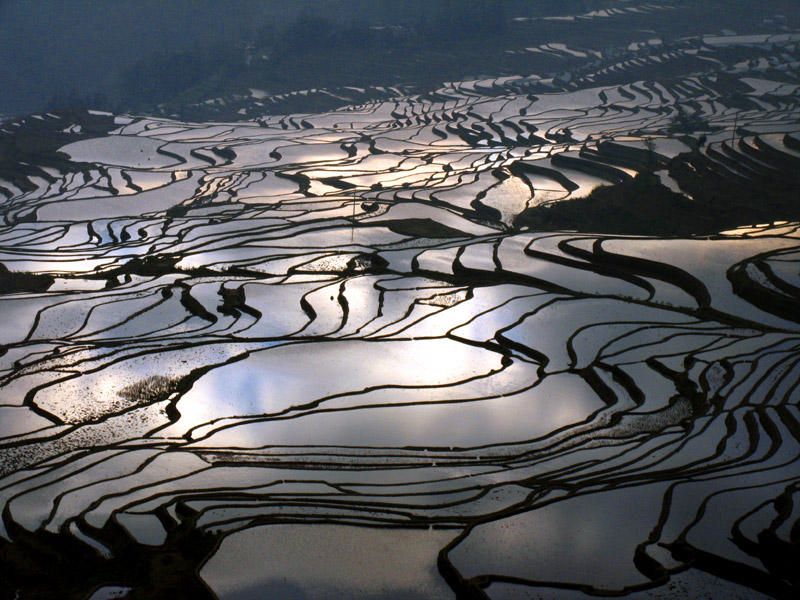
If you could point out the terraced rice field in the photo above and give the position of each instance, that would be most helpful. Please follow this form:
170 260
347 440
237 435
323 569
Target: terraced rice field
322 355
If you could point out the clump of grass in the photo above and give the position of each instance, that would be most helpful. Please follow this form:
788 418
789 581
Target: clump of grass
151 389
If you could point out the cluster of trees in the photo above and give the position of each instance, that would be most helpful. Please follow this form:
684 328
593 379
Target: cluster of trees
456 21
452 20
191 75
315 49
201 72
72 98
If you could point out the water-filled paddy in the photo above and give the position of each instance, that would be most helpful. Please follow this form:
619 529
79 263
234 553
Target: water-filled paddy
317 356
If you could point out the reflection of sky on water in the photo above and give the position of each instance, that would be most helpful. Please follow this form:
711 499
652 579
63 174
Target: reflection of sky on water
709 260
274 380
158 199
51 264
120 150
97 392
558 401
18 316
327 562
583 540
681 585
18 420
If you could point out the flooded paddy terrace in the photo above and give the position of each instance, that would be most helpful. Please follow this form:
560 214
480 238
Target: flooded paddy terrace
320 355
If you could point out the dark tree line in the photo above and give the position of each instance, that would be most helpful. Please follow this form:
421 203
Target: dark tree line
317 49
200 72
71 99
183 76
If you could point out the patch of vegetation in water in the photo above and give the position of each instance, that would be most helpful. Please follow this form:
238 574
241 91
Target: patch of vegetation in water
56 566
151 389
640 206
644 206
423 228
11 282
